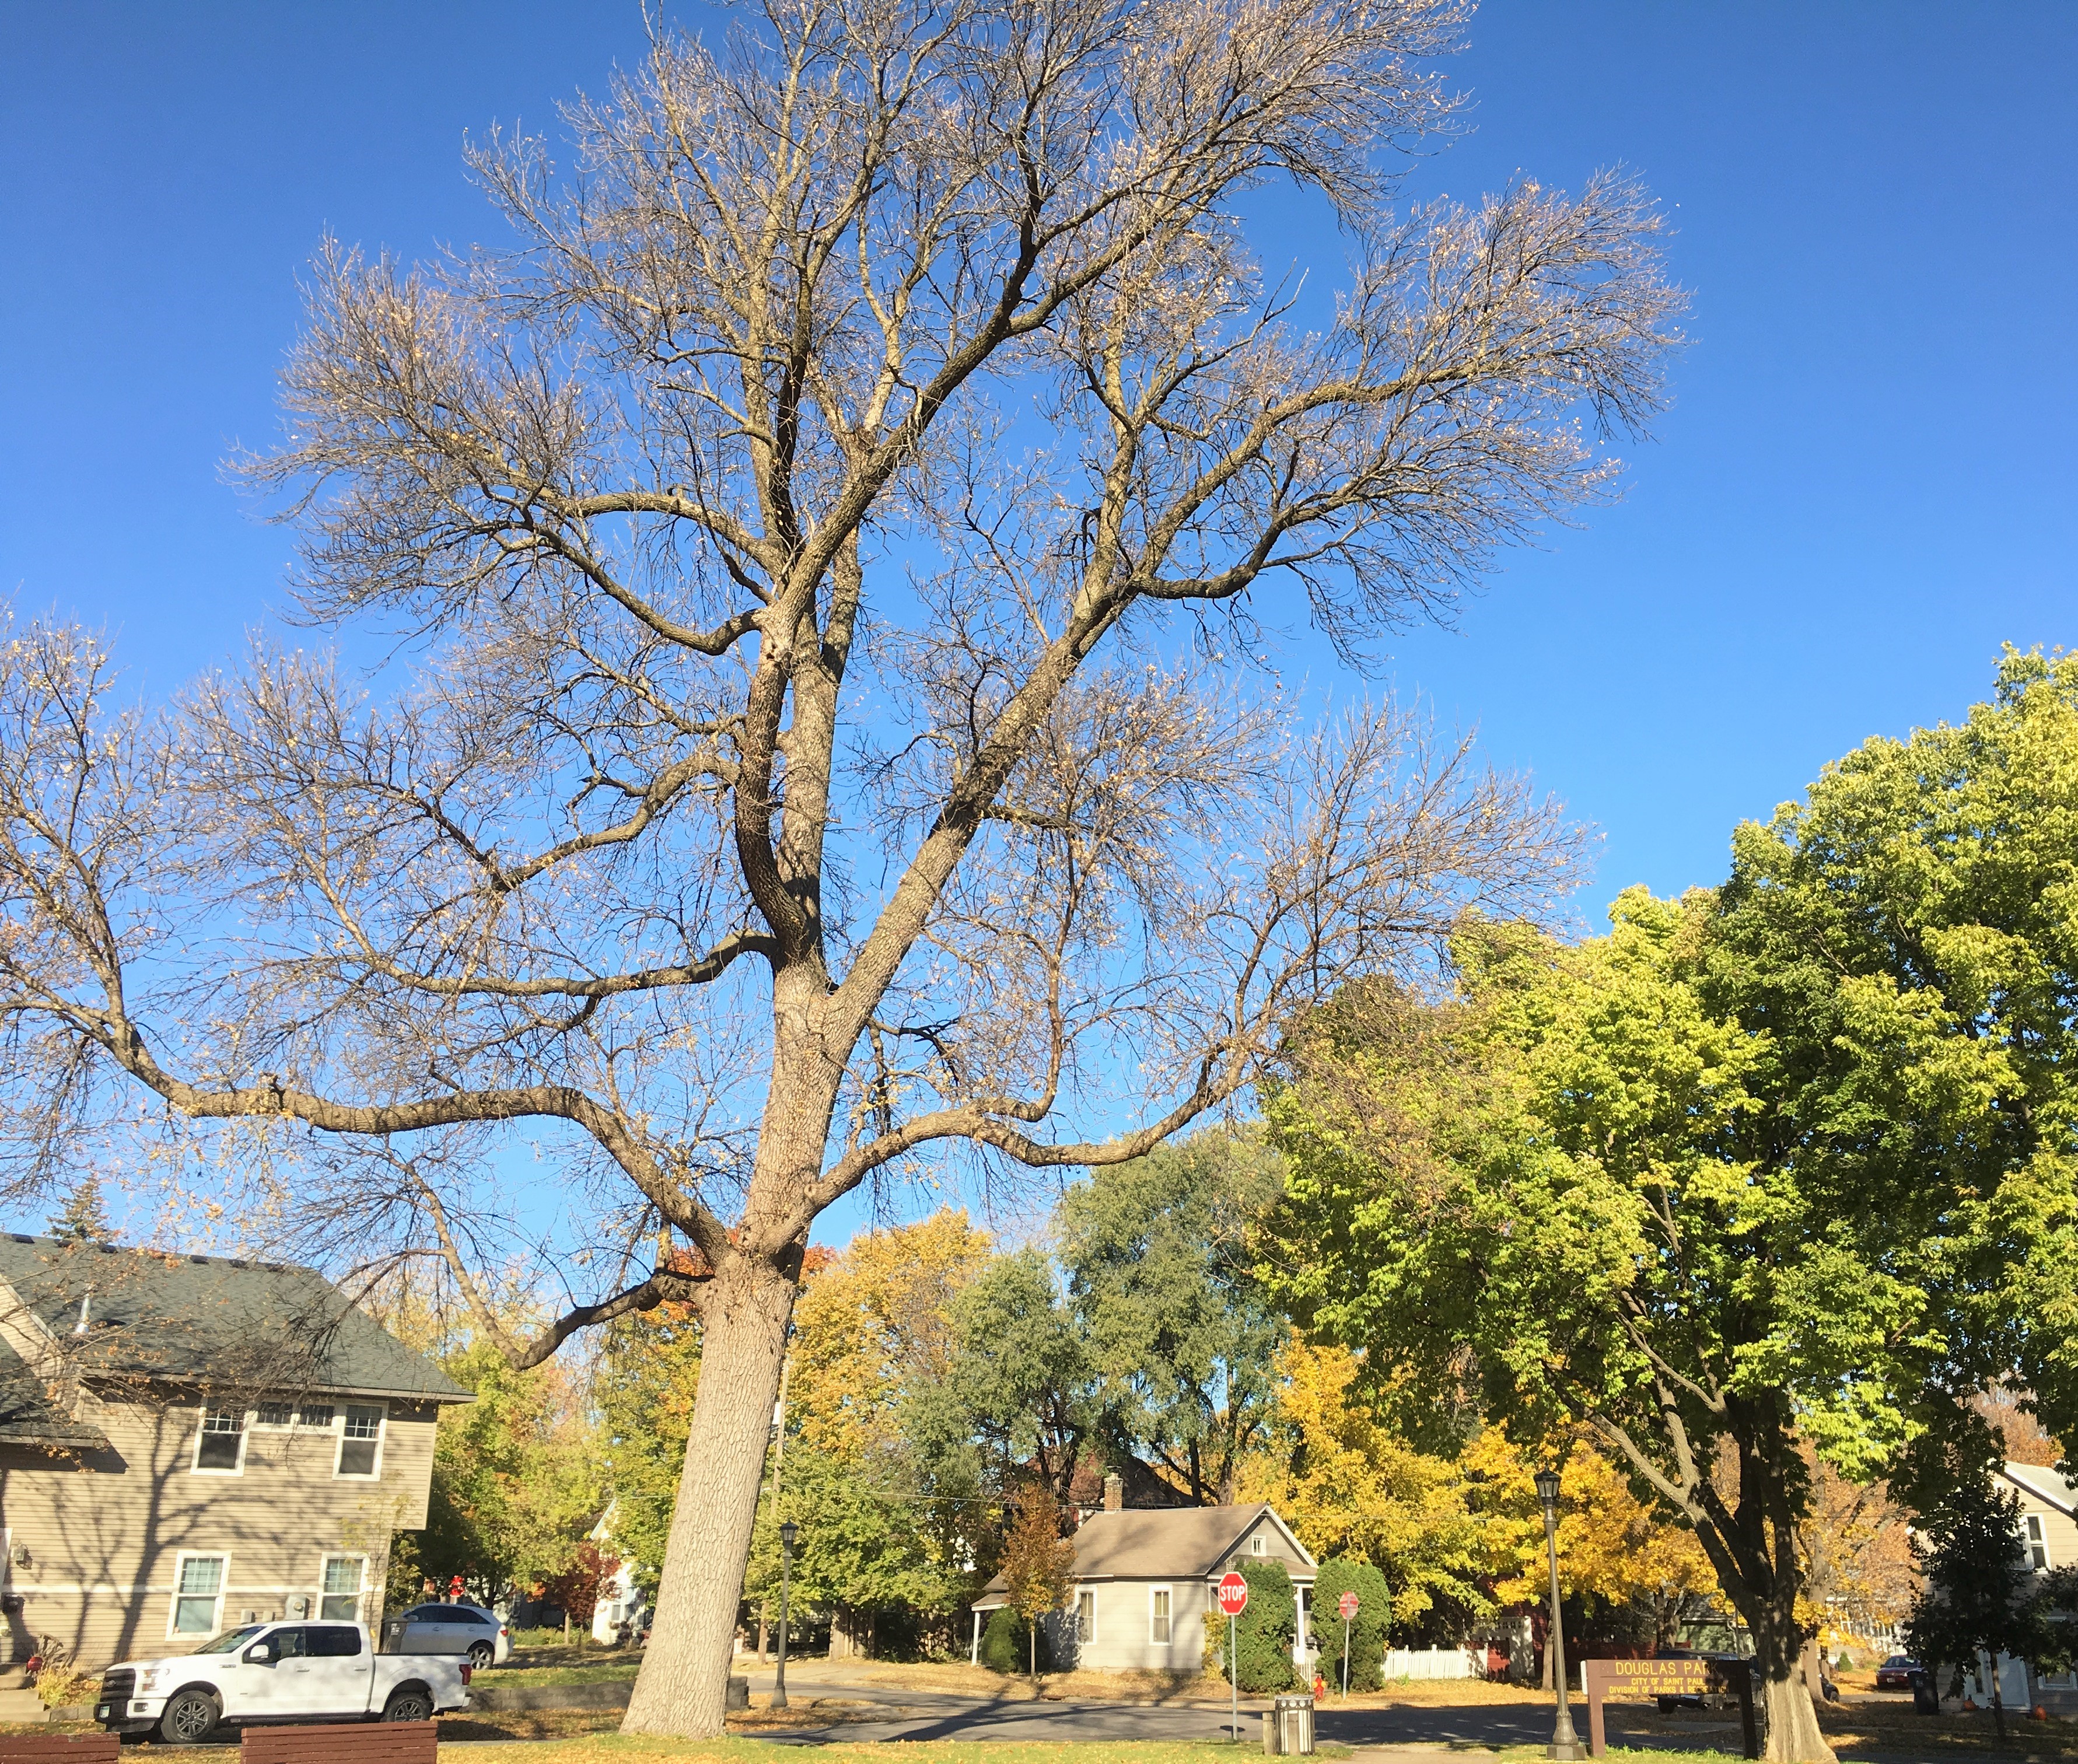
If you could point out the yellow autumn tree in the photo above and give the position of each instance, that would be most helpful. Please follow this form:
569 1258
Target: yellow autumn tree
1350 1487
1612 1547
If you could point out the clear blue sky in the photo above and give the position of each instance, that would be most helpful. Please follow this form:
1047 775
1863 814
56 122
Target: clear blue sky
1865 484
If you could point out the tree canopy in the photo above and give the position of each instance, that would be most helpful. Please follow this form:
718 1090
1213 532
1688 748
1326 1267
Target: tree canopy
1783 1163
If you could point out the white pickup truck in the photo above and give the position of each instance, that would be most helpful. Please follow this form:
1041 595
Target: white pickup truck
277 1672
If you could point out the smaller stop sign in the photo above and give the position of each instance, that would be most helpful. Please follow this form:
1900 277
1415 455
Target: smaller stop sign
1233 1595
1348 1606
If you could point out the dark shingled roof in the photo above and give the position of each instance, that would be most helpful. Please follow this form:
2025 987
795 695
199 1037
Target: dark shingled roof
1159 1543
211 1320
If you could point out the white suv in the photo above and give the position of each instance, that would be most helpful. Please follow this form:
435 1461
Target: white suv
478 1634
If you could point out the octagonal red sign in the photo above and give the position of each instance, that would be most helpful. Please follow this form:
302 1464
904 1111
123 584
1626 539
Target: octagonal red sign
1233 1595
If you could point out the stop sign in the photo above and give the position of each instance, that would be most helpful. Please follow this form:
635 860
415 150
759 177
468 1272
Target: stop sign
1348 1606
1233 1595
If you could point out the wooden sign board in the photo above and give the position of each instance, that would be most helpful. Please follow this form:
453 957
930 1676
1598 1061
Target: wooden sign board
1645 1679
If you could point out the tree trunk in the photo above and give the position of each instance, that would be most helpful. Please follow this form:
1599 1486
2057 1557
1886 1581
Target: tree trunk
683 1680
1998 1702
1793 1733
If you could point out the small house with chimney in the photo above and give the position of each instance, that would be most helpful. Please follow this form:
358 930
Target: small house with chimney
1145 1581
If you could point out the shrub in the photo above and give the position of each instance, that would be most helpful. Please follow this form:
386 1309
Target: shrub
1003 1643
1266 1628
1366 1628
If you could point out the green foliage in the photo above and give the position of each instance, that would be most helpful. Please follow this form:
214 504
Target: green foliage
1021 1374
1366 1630
1980 1592
1162 1284
513 1487
1003 1641
857 1546
1266 1629
1787 1162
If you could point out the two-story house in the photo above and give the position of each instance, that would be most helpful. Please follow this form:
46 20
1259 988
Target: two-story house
190 1442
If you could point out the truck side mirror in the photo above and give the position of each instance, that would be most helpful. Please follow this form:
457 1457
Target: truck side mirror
260 1654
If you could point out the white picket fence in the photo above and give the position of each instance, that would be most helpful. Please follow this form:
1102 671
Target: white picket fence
1433 1663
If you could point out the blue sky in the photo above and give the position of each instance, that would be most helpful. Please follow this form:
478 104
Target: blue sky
1864 484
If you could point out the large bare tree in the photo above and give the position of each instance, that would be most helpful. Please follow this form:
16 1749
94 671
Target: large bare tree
821 555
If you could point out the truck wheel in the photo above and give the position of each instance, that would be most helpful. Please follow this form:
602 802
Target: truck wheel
408 1702
483 1656
191 1717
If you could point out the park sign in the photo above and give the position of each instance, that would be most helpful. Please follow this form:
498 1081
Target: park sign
1348 1606
1689 1676
1233 1594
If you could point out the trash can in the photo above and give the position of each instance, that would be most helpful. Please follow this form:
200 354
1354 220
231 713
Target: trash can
739 1694
1925 1698
1288 1727
393 1636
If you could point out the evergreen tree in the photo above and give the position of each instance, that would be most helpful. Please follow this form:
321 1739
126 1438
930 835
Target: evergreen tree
1979 1595
1367 1629
85 1219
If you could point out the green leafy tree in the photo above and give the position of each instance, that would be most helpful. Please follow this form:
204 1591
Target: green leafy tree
1161 1282
1038 1562
1366 1630
1021 1375
513 1487
1979 1595
1781 1165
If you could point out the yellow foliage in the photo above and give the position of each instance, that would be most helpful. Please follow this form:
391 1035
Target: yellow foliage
1611 1545
873 1323
1350 1487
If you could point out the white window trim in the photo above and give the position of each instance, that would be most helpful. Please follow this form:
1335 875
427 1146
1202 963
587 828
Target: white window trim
1083 1637
2034 1535
181 1558
339 1442
317 1600
1169 1640
256 1425
196 1467
1258 1545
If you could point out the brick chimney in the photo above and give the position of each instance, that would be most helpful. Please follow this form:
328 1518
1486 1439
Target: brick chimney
1114 1495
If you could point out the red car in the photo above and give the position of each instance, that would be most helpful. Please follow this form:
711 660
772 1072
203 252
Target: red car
1896 1673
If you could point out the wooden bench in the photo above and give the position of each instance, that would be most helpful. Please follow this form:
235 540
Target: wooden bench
341 1742
59 1748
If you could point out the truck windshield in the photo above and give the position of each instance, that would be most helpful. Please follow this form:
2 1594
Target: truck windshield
232 1640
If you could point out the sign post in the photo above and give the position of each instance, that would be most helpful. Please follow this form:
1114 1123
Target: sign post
1349 1610
1233 1600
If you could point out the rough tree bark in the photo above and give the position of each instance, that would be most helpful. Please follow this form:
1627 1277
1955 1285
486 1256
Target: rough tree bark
801 769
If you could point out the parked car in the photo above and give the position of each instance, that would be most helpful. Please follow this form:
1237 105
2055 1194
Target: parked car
482 1637
1720 1700
1896 1673
266 1672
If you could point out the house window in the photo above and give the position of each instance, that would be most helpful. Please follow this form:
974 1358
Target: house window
197 1595
220 1441
274 1415
1157 1616
315 1415
1257 1544
2037 1546
361 1444
1085 1615
341 1600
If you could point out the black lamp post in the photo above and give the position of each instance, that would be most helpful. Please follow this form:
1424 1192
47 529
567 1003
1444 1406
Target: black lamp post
788 1531
1564 1743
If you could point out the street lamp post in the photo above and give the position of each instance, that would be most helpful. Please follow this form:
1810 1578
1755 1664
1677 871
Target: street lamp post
1564 1743
788 1531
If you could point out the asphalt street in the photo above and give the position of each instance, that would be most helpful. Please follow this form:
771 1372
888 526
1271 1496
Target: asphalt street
927 1715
